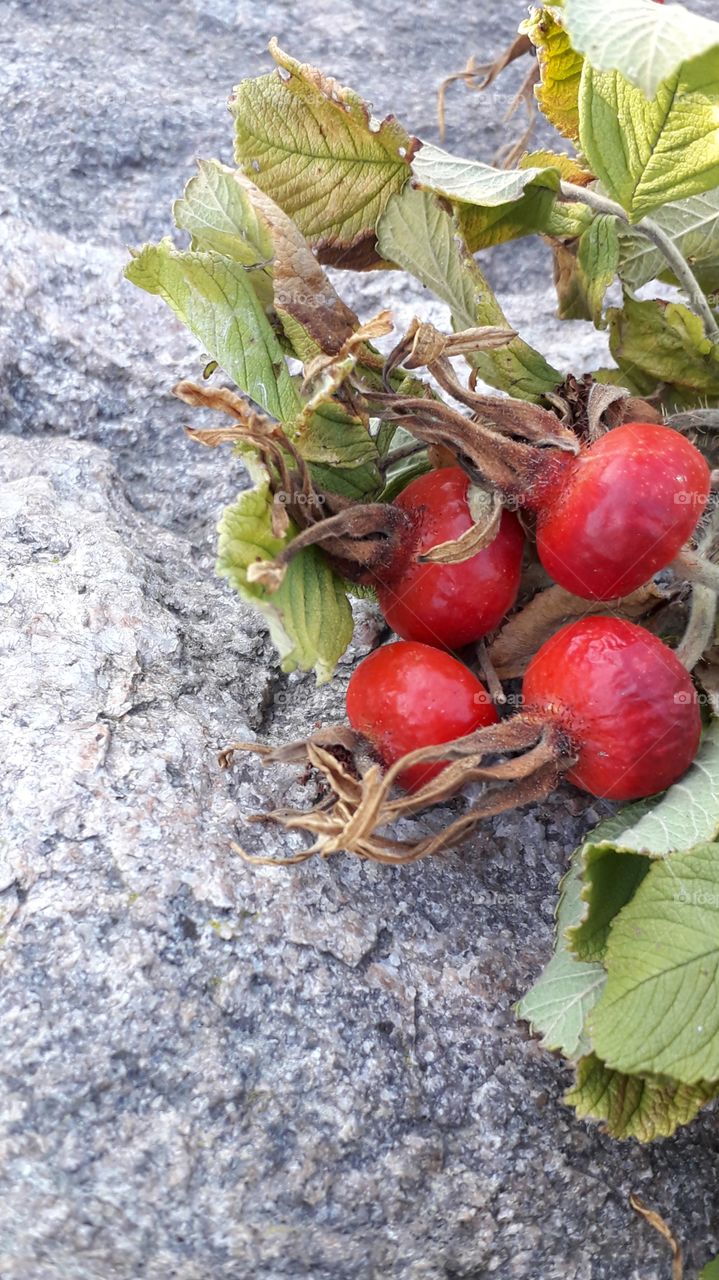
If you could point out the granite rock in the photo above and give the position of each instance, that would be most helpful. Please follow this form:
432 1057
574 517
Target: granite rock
210 1069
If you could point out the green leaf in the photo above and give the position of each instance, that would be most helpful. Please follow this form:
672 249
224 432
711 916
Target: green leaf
401 475
585 268
659 1012
342 455
604 874
421 237
558 1003
641 1107
645 41
220 216
657 342
647 153
309 616
597 262
213 296
492 205
686 815
473 182
313 147
560 68
615 859
693 225
638 385
710 1271
609 880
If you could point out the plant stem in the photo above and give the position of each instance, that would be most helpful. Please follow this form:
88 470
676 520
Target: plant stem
491 679
699 632
661 241
683 272
701 626
694 568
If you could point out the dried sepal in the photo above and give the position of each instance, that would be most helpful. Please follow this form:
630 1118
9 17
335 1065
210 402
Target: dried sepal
486 511
324 365
359 539
334 737
364 801
423 345
549 610
491 461
661 1226
591 408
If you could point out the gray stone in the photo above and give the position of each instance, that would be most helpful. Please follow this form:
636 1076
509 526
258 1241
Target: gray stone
210 1069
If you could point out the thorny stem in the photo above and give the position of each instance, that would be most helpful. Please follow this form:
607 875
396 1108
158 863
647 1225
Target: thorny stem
653 232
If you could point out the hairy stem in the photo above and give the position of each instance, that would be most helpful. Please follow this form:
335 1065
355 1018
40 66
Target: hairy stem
695 568
700 627
661 241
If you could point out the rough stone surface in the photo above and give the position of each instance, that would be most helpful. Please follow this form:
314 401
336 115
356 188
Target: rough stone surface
209 1070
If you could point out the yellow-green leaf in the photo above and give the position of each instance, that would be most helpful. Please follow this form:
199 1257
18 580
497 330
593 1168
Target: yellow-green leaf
643 40
220 216
482 227
560 69
214 297
421 237
641 1107
491 205
656 342
314 148
569 167
342 455
473 182
309 616
225 212
649 152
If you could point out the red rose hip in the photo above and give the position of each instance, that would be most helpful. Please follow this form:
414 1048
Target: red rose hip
408 695
450 605
621 510
624 699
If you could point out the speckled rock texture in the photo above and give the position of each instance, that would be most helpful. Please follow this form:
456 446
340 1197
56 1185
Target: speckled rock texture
209 1070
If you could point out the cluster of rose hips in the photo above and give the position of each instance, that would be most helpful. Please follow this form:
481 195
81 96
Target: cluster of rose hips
607 519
